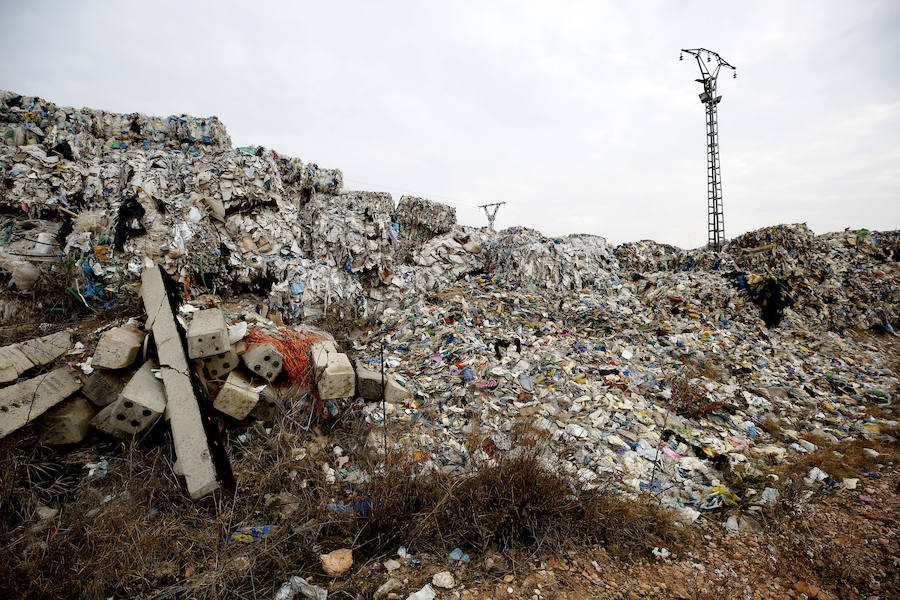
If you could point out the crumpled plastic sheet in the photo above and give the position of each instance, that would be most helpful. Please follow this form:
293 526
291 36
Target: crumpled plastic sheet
297 587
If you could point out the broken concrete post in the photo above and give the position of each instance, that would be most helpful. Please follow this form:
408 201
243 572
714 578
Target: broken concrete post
31 398
220 365
103 387
68 423
188 434
263 360
338 379
43 350
369 384
140 404
318 353
13 363
18 358
237 397
118 348
207 334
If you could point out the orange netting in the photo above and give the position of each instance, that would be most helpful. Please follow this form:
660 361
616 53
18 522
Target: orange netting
294 346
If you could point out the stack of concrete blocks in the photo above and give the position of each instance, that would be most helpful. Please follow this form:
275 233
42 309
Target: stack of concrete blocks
334 373
139 405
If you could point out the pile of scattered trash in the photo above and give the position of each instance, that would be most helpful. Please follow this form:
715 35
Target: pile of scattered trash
479 330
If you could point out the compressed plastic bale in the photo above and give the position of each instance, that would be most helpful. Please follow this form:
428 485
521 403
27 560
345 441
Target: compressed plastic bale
263 360
117 348
207 334
237 397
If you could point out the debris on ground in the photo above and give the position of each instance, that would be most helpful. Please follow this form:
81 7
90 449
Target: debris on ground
319 368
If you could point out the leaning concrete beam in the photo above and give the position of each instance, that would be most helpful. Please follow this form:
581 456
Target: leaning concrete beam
188 435
30 399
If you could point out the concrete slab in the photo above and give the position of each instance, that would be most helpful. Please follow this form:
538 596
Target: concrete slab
118 348
68 423
31 398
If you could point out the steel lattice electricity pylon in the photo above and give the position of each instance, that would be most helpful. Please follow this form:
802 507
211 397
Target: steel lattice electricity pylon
491 211
716 219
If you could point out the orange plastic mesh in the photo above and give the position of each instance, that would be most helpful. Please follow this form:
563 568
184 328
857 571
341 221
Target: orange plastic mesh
294 346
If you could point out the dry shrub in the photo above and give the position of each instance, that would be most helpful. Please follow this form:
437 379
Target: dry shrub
516 499
690 400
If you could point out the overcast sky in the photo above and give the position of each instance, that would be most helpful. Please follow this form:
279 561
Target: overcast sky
577 114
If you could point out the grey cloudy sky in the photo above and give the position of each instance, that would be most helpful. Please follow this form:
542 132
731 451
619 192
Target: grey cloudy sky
577 114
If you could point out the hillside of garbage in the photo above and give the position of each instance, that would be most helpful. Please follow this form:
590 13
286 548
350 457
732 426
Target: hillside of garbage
165 289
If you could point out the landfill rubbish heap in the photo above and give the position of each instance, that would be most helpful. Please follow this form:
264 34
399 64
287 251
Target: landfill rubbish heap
244 264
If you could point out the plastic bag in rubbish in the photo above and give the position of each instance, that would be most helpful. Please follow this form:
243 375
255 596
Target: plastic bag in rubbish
426 593
297 585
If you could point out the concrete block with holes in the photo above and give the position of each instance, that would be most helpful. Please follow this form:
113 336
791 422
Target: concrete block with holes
220 365
237 397
263 360
338 379
318 354
118 348
207 334
68 423
141 403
